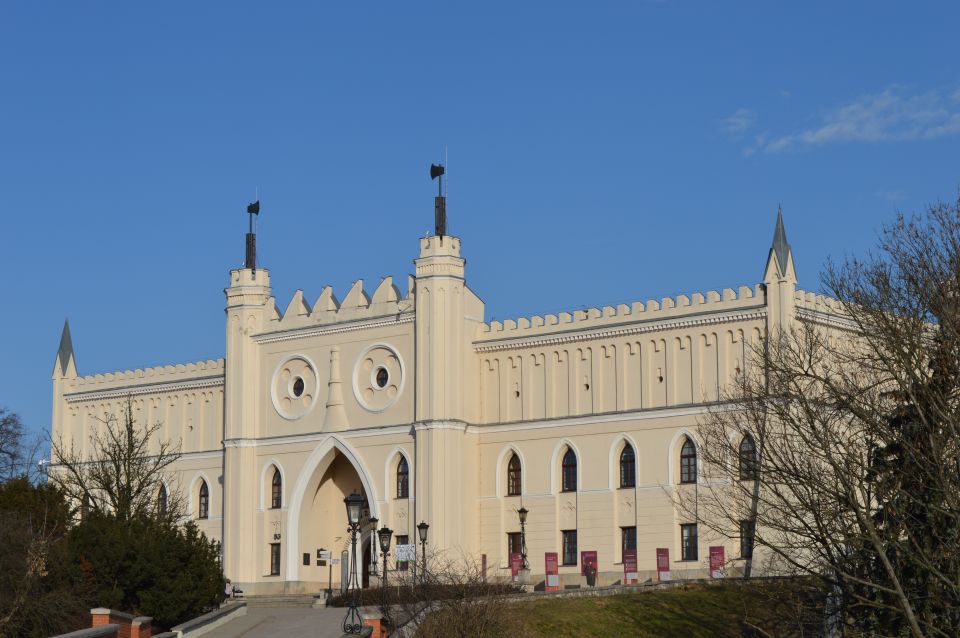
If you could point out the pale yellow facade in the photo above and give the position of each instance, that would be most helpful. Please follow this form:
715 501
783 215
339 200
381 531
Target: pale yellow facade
330 395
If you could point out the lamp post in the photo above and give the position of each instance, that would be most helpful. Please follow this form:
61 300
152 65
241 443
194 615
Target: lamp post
422 531
373 551
353 622
384 535
522 513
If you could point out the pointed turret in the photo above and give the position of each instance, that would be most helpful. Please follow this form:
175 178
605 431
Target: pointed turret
780 278
65 365
780 259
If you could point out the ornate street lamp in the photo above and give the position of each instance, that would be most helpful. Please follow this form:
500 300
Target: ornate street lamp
373 552
522 513
422 531
353 622
384 534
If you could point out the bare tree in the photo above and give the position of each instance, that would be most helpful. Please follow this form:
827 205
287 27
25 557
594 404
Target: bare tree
123 475
450 597
11 445
853 475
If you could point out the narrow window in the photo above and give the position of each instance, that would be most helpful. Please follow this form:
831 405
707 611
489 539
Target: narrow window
513 543
513 476
403 478
688 462
204 501
628 467
162 500
276 490
628 538
749 467
403 565
569 471
688 541
274 559
748 529
569 547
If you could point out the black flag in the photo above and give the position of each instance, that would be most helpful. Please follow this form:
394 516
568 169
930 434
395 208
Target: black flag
254 208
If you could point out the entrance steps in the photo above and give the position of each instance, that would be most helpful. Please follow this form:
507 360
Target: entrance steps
280 600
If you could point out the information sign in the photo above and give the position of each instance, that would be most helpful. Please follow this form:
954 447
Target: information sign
516 562
717 562
663 564
630 576
552 582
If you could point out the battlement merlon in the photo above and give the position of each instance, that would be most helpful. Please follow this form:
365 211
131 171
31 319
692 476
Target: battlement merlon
696 306
146 380
440 257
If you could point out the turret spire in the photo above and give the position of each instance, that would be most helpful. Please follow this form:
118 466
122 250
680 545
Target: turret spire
65 351
780 246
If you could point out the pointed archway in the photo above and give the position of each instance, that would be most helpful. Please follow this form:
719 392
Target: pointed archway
317 517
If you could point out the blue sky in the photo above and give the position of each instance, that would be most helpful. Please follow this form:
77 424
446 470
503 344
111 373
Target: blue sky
598 153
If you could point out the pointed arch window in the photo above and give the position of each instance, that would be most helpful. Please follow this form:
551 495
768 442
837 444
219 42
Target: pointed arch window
204 501
749 464
688 462
628 467
162 500
403 478
569 482
276 490
514 476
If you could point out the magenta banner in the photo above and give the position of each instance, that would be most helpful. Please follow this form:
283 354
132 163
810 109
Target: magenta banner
717 562
552 570
663 564
516 561
630 567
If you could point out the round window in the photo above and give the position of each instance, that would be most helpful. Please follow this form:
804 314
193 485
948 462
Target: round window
382 377
298 387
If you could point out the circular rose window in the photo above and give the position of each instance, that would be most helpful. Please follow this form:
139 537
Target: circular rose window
378 377
294 387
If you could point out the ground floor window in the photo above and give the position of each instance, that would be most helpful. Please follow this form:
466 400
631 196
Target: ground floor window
688 541
274 559
513 543
569 547
403 565
747 530
628 539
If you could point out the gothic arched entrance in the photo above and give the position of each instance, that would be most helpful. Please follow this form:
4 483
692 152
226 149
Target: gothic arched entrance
318 518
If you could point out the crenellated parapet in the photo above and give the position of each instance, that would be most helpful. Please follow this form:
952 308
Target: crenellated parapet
145 380
328 309
821 309
696 309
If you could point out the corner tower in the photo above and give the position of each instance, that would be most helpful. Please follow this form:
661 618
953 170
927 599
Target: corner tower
446 312
247 309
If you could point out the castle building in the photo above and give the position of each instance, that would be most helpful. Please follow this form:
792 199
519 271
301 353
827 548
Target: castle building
587 419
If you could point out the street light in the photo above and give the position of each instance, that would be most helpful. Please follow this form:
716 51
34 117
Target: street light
522 513
384 534
373 526
353 622
422 531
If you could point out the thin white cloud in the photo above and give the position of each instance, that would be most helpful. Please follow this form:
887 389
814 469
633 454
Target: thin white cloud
740 121
890 116
893 196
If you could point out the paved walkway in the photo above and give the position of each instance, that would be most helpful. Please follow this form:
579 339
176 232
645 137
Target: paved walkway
277 622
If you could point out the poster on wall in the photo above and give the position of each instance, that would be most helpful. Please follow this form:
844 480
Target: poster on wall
663 564
552 571
717 562
516 561
630 576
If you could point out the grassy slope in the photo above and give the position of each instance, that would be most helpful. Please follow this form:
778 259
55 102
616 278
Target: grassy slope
692 611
